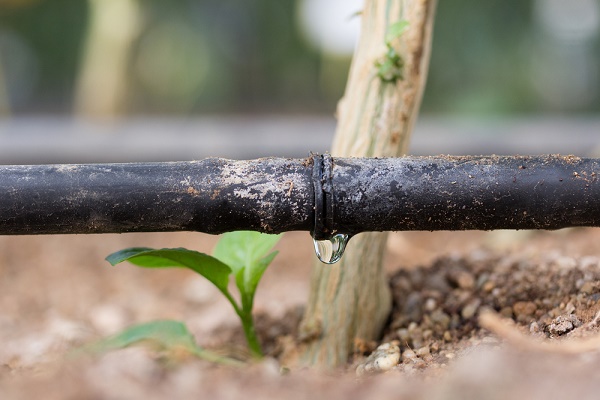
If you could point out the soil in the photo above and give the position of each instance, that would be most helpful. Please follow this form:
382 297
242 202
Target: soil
491 315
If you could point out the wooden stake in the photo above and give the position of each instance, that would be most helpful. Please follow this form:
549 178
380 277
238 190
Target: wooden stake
350 300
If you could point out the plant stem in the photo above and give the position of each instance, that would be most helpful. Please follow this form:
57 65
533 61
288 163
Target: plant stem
245 314
251 337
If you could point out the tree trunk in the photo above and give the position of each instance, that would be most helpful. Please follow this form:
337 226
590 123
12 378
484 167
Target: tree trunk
350 301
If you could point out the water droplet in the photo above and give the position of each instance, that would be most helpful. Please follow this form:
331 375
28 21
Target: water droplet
330 251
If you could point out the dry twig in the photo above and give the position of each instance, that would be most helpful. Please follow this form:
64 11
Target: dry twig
503 329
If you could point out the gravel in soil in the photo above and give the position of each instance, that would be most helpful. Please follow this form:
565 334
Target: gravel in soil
436 307
543 289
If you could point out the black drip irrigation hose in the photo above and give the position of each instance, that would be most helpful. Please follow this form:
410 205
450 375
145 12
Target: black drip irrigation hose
211 195
321 194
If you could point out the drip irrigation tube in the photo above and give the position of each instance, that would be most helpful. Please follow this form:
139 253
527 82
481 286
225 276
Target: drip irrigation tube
320 194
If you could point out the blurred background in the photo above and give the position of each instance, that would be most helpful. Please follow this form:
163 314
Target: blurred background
132 80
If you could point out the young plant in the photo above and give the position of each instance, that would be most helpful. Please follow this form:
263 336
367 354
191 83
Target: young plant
243 254
165 335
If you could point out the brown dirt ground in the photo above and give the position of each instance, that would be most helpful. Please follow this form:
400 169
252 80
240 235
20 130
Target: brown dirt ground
56 293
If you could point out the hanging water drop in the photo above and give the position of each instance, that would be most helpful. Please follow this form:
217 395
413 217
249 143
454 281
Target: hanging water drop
330 251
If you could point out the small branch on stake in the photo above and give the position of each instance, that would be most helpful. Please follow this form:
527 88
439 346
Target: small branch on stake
508 332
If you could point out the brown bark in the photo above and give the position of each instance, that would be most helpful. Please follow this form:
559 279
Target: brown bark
350 301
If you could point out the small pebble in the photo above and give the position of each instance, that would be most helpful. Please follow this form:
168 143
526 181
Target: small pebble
482 280
420 364
466 280
455 321
534 327
524 308
423 351
430 304
409 355
470 309
441 318
588 288
384 358
488 286
418 341
413 306
403 334
563 324
447 336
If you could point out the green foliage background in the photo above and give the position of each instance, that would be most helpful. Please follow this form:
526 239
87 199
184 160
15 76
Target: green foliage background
259 61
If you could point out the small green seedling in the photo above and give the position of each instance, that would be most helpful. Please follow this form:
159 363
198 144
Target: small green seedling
390 67
244 254
165 335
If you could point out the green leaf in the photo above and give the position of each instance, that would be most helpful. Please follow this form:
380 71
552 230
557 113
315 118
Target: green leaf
242 248
207 266
258 270
396 30
166 335
246 253
247 280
